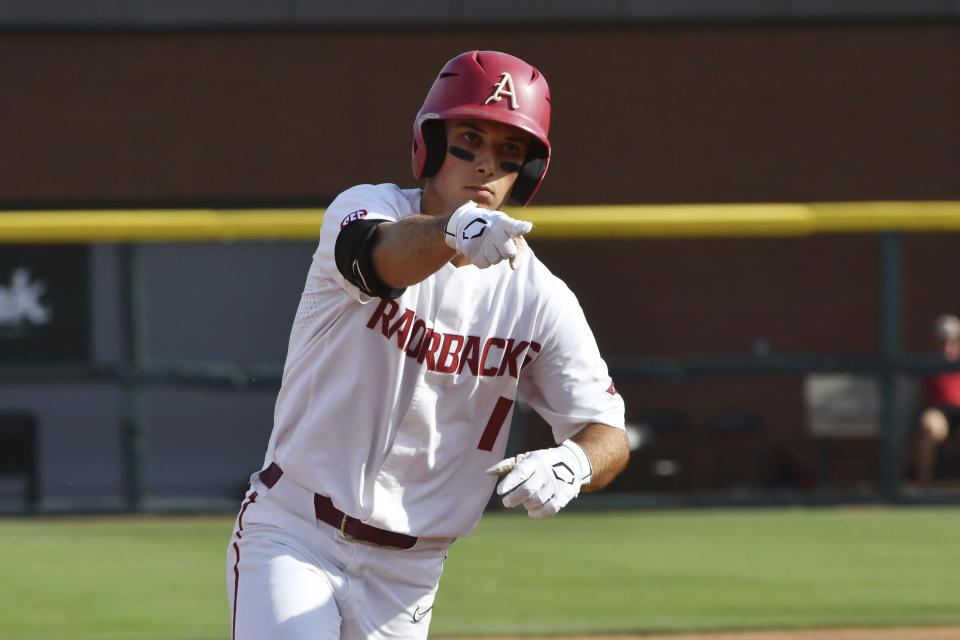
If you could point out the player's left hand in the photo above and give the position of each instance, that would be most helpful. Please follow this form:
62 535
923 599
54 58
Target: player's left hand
543 481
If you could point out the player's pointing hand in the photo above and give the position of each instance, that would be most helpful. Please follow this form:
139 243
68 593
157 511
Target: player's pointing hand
485 237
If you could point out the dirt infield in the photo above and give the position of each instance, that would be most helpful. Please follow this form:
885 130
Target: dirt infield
938 633
926 633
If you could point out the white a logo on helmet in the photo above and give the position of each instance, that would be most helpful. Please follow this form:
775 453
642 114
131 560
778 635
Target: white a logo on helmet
504 88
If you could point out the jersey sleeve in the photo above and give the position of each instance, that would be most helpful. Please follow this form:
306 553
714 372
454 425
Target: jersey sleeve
568 383
363 202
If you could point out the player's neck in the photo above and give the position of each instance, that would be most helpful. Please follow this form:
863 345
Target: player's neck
431 204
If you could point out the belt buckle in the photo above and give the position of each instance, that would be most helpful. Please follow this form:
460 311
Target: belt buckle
350 538
343 533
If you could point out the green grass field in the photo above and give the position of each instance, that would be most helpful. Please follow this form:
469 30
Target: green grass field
162 578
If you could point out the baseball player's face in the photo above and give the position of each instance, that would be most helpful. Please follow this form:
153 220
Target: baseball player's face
482 161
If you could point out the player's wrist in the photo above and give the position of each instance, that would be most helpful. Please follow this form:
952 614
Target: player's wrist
448 230
585 467
451 224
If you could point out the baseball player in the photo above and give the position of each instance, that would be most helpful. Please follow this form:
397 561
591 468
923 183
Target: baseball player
424 316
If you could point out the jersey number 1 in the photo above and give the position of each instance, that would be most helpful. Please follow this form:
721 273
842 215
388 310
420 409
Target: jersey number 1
495 423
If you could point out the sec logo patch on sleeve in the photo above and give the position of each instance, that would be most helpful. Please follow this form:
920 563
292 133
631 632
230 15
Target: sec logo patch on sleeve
353 217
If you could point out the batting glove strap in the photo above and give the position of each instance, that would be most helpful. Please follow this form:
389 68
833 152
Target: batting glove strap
485 237
586 467
450 229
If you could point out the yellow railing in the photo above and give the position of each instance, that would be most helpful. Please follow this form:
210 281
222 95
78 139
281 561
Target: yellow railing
573 221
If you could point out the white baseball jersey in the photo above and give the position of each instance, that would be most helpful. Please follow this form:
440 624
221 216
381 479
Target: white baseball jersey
395 408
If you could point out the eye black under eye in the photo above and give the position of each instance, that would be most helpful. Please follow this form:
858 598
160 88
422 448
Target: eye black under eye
463 154
510 167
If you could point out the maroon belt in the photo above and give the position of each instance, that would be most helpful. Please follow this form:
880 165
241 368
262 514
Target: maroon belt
350 528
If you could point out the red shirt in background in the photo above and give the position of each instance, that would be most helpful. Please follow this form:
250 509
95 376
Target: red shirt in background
943 389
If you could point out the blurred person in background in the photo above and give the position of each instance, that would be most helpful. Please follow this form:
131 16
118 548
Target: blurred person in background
941 404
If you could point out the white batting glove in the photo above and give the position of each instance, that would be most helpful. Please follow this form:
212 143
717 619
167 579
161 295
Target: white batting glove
485 237
543 481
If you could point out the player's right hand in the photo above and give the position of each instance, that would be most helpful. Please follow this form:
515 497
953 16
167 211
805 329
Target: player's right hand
485 237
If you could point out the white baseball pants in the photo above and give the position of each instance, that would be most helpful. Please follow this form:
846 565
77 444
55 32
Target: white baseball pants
293 577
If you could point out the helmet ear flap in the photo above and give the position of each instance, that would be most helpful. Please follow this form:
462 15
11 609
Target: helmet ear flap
435 142
530 174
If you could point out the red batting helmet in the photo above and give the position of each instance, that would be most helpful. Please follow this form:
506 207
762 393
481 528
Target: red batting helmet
486 85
